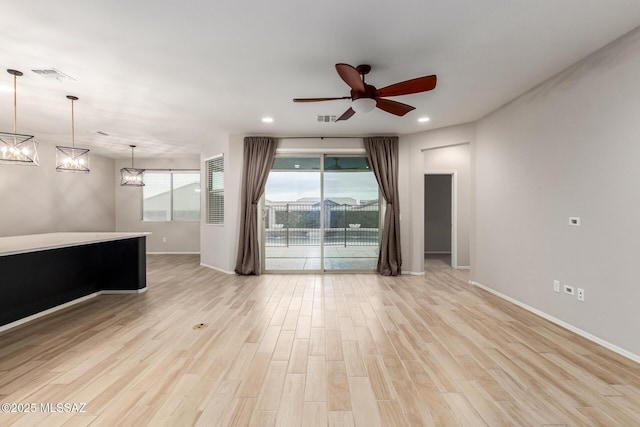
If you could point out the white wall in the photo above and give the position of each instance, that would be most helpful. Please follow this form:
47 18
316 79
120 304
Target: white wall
443 152
219 243
569 147
40 200
181 237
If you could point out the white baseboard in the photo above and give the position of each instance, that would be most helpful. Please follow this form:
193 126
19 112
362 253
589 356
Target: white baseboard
584 334
413 273
217 269
173 253
422 273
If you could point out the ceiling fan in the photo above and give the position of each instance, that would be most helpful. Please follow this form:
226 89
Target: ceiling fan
366 97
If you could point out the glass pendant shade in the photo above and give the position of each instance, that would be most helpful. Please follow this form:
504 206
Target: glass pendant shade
72 159
69 159
15 148
132 176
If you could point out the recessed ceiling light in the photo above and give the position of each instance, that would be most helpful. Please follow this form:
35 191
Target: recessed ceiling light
267 120
423 119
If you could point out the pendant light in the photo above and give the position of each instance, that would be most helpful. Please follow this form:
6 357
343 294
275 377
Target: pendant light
15 148
132 176
72 159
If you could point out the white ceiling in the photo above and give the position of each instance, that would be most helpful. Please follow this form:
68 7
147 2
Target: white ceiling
170 75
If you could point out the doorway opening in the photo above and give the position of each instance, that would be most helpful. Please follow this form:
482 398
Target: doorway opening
321 213
440 248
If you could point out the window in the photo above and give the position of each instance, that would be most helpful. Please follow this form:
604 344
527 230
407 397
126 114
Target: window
171 196
215 190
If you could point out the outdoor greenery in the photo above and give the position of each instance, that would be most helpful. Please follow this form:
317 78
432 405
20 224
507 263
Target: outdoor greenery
298 219
342 219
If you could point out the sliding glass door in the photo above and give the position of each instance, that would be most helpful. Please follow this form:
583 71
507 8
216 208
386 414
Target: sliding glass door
321 213
351 214
292 215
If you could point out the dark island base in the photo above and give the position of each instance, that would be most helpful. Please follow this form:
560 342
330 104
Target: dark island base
37 281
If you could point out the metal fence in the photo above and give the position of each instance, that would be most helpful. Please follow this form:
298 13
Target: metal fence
299 225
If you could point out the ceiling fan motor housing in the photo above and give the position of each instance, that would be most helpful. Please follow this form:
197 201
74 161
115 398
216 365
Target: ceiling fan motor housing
369 92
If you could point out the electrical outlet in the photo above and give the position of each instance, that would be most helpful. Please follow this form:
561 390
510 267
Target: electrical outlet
580 294
556 286
568 290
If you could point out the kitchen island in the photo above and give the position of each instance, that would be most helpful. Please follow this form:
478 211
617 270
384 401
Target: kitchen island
41 273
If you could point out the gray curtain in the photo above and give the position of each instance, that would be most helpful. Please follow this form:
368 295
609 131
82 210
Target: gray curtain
382 152
258 158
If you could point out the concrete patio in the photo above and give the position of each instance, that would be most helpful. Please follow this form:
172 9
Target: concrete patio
364 258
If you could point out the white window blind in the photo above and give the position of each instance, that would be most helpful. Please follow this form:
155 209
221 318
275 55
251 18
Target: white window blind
171 196
215 190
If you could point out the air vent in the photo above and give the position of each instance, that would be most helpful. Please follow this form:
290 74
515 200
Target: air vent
326 119
53 74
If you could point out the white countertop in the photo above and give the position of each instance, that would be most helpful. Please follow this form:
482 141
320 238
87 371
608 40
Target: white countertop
37 242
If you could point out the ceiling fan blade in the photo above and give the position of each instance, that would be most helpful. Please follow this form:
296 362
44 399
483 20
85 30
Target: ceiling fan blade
351 76
319 99
346 115
393 107
421 84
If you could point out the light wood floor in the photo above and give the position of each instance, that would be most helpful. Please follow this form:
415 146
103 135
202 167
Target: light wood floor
297 350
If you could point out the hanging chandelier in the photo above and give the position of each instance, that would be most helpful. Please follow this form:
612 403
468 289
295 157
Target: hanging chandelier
132 176
72 159
15 148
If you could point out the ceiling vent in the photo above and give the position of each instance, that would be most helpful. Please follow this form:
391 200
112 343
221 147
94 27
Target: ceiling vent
53 74
326 119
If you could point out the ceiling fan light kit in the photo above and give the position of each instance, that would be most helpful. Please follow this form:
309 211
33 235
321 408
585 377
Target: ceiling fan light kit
15 148
72 159
363 105
365 97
